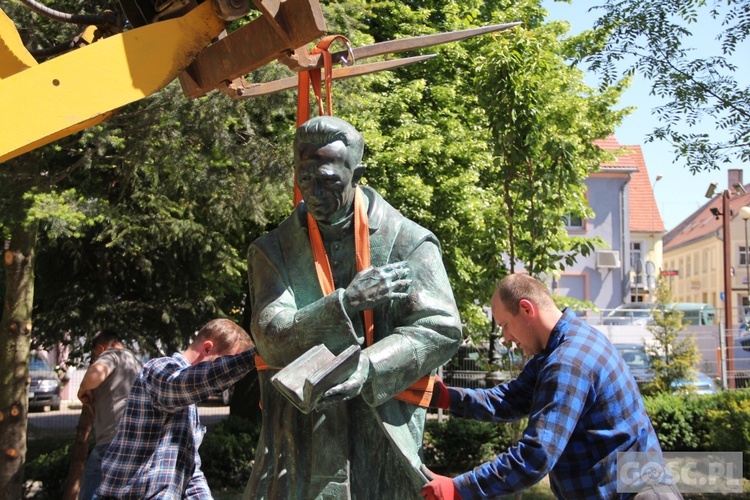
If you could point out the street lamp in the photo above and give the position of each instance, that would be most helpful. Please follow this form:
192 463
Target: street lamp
726 214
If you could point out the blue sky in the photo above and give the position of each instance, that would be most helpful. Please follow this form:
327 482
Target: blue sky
679 193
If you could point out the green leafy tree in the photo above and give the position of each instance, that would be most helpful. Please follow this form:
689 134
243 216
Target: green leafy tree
672 356
439 138
544 119
702 94
140 223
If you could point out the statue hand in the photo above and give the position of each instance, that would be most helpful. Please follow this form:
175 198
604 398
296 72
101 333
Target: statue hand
375 285
350 388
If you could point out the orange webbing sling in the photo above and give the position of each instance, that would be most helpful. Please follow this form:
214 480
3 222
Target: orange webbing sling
312 77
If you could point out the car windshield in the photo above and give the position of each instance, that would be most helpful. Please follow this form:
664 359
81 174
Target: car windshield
635 358
633 310
39 365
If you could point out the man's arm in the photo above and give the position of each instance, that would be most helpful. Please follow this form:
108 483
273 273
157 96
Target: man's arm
506 402
557 406
96 374
172 386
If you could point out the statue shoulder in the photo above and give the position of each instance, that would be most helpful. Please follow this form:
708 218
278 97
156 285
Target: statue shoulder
407 233
270 242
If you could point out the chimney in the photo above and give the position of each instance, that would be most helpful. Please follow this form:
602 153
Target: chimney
735 177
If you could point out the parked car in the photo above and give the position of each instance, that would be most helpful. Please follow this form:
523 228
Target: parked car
637 313
45 386
639 363
701 384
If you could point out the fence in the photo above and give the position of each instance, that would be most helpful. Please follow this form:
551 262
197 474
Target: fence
45 422
470 367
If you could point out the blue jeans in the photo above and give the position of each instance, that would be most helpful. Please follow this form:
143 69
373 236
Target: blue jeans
92 473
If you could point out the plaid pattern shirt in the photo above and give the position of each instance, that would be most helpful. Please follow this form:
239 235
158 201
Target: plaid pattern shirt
155 451
583 407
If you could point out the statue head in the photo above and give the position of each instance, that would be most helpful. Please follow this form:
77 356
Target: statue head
327 156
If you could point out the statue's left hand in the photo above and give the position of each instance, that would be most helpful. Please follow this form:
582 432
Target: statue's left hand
350 388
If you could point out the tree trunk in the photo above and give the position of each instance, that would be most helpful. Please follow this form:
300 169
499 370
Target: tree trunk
15 336
80 453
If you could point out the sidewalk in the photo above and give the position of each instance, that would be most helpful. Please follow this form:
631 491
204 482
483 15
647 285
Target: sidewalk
64 422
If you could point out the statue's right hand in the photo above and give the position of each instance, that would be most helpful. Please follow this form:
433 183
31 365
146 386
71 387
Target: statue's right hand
375 285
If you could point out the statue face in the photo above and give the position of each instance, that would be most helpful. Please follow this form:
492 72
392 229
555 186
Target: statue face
326 182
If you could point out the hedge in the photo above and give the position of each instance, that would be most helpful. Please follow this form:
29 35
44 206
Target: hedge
719 422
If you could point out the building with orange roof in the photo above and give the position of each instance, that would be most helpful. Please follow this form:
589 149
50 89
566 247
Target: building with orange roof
628 219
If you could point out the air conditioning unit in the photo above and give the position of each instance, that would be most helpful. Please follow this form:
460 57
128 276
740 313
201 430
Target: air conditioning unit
607 259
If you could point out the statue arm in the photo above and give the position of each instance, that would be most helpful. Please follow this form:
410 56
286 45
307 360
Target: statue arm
426 329
283 332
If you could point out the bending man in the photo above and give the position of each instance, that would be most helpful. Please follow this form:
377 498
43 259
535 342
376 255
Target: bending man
582 403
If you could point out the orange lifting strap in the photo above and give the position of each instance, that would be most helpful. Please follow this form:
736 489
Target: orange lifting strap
312 78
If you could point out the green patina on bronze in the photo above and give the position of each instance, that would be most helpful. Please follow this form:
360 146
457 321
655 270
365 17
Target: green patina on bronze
359 442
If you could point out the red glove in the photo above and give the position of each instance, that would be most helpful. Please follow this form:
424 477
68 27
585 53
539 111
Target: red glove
440 396
440 488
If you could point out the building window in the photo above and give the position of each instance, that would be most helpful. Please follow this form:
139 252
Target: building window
743 256
636 256
705 261
687 266
573 222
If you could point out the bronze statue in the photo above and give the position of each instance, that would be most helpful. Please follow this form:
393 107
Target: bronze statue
347 269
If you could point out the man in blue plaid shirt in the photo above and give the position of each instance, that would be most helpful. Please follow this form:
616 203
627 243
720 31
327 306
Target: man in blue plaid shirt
582 403
155 451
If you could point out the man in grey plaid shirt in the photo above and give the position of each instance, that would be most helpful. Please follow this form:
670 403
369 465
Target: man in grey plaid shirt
155 451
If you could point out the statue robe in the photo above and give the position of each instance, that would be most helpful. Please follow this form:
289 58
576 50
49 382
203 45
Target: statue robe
344 451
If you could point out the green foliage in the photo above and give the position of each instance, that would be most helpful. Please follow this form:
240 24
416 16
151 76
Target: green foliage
654 39
543 120
51 468
730 426
228 451
457 445
671 358
717 422
672 422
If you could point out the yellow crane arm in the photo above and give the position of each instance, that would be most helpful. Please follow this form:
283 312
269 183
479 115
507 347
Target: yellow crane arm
44 102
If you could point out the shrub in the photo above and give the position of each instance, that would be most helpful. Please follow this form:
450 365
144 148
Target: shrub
719 422
457 444
671 421
51 468
730 426
227 452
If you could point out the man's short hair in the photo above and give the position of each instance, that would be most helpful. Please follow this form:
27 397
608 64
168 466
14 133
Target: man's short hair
323 130
105 338
226 335
515 287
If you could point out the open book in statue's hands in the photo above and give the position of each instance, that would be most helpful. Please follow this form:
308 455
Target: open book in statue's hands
306 379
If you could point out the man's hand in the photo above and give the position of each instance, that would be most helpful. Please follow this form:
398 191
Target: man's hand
86 397
375 285
350 388
440 488
440 396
